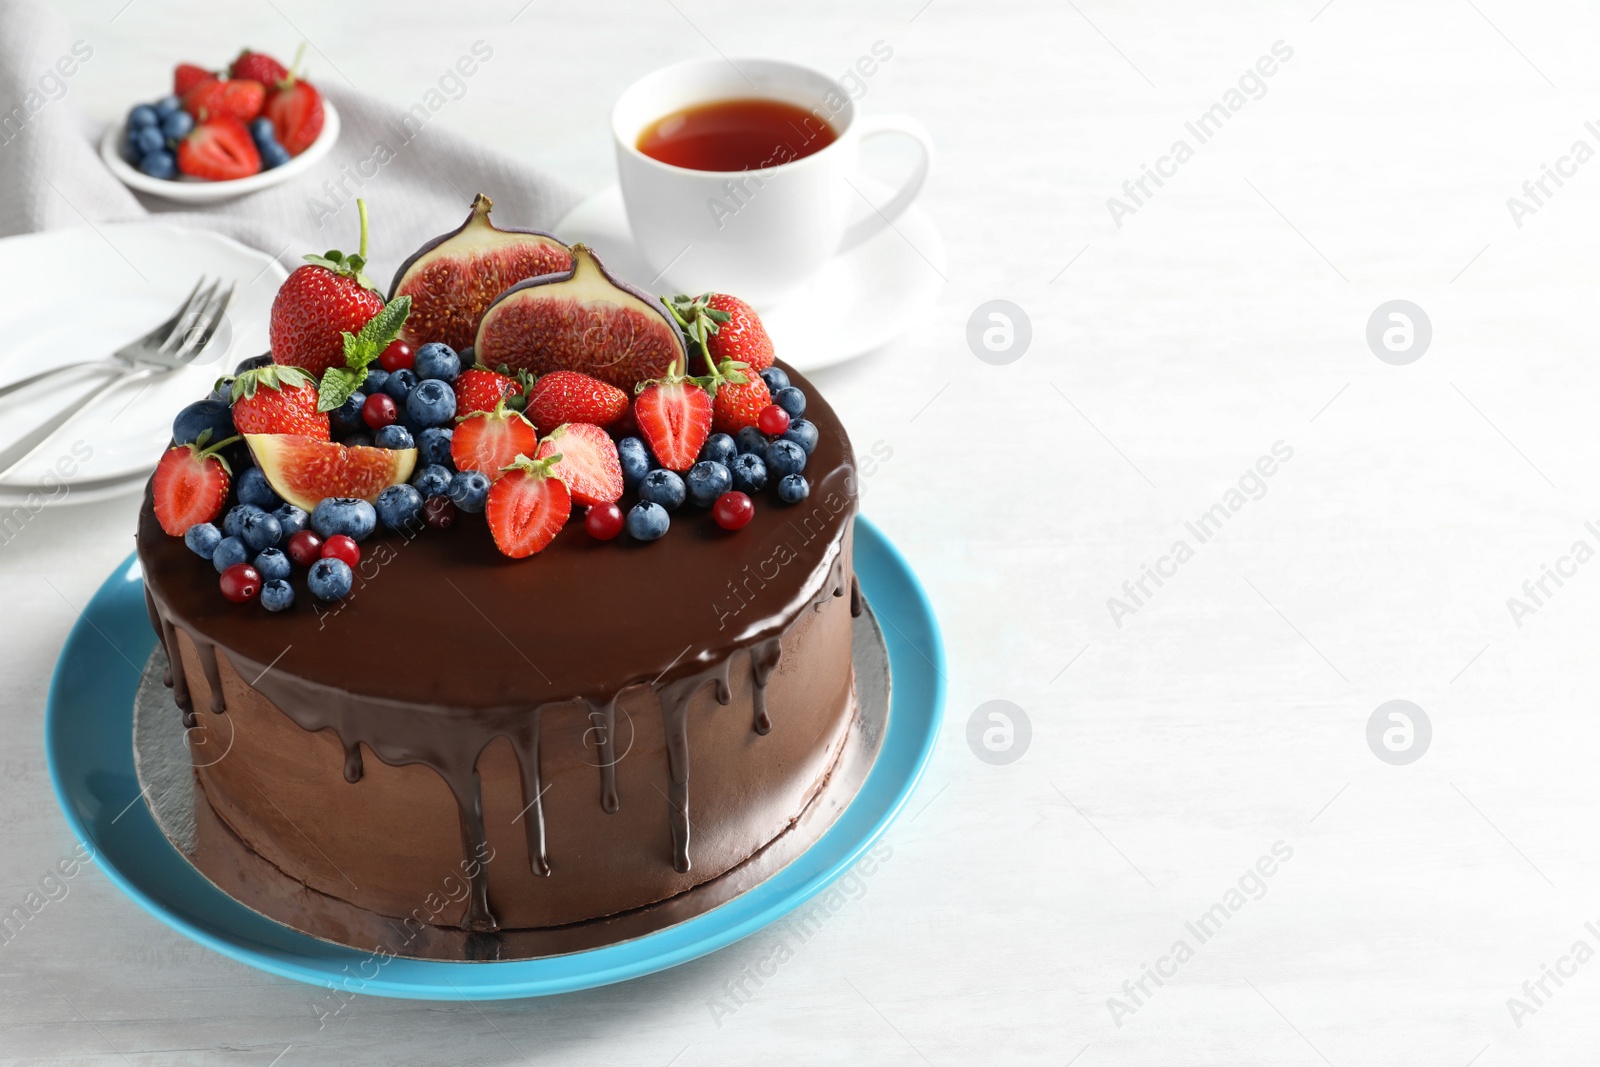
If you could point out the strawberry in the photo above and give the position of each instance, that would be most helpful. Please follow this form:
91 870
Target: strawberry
527 508
726 328
278 400
295 108
258 67
219 149
187 76
490 441
674 414
568 396
321 302
480 389
190 484
234 98
586 460
737 398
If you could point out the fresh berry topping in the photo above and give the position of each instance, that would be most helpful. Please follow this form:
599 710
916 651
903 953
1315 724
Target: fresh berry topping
802 432
436 360
342 547
719 448
432 480
278 400
272 563
750 439
724 328
350 516
791 400
706 481
785 457
320 302
793 488
375 380
230 550
431 403
261 531
234 98
674 414
277 594
648 521
772 421
733 510
490 440
202 539
438 512
305 547
433 447
527 508
346 418
306 471
379 410
749 472
586 460
397 356
190 484
400 507
568 396
393 436
399 384
203 415
258 66
738 399
330 579
252 487
603 521
635 460
187 76
240 582
218 149
775 378
291 518
482 390
469 490
233 522
663 487
297 115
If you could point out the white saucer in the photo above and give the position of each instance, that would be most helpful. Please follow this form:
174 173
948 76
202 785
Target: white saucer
82 293
199 191
858 302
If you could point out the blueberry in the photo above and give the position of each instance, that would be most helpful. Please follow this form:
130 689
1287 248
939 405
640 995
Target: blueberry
233 521
707 480
775 378
751 441
432 480
202 539
273 154
433 446
400 506
229 550
346 418
202 415
177 125
468 357
719 448
252 363
149 139
436 360
432 402
346 515
291 518
167 105
398 385
272 563
142 117
635 460
254 489
791 400
261 531
793 488
663 487
277 595
648 521
261 130
803 433
469 490
749 473
159 164
330 579
785 457
393 436
376 378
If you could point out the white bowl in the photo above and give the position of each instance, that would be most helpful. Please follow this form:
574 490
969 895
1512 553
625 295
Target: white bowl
188 190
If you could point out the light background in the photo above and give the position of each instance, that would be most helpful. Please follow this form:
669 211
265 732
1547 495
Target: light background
1171 752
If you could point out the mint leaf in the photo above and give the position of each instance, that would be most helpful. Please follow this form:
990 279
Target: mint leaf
360 349
338 385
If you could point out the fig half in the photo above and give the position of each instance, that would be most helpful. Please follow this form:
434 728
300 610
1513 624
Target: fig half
581 319
455 276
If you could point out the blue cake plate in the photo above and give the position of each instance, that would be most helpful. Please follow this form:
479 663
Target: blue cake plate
88 742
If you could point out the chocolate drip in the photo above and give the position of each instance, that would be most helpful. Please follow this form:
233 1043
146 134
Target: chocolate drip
353 768
675 724
527 746
180 683
855 597
208 663
603 722
155 624
763 661
475 842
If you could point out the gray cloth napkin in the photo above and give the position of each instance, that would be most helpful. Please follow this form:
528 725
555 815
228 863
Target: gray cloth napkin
51 175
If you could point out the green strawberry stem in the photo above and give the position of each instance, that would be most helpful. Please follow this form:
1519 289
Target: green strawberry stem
361 210
537 467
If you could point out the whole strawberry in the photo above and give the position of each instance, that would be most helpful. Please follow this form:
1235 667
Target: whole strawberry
568 396
190 484
321 302
726 328
259 67
481 389
186 76
738 396
276 399
234 98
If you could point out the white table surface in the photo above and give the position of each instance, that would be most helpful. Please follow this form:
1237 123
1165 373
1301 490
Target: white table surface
1230 711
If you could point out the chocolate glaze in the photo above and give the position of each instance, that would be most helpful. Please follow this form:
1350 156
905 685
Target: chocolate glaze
445 646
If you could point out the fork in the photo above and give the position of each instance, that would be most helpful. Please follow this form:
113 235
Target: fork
173 344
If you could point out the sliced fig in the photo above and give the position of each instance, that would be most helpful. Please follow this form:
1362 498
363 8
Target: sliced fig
304 470
453 277
581 319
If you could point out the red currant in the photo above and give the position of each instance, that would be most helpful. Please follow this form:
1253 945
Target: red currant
439 512
379 411
240 582
397 356
305 548
342 547
733 510
603 521
773 420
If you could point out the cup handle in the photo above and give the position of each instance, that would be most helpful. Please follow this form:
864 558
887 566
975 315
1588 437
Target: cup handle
881 126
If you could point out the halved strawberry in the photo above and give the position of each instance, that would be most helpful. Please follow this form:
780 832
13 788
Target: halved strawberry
187 76
739 396
586 459
190 484
674 414
219 150
527 508
568 396
479 389
278 400
295 109
232 98
488 441
259 67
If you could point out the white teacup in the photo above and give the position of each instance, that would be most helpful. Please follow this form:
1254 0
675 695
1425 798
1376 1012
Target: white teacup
757 234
